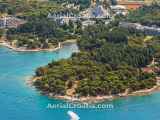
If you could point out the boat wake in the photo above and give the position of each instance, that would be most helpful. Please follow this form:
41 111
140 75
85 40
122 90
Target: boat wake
73 116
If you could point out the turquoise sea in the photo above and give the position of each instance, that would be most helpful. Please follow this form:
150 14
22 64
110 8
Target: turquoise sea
19 101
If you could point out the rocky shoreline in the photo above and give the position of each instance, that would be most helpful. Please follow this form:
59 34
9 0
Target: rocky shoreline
97 99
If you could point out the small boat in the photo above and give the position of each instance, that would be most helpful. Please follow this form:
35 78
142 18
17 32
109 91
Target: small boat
73 116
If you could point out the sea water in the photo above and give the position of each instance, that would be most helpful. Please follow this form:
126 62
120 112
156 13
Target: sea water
19 101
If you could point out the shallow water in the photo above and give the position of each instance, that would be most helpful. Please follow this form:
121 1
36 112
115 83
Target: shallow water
18 101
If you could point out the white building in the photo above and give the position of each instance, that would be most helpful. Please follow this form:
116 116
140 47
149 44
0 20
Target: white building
96 12
119 9
87 23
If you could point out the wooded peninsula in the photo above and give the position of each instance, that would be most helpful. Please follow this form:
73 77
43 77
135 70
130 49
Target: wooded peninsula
112 59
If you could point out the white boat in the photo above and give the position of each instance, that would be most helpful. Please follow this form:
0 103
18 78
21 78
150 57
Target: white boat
73 116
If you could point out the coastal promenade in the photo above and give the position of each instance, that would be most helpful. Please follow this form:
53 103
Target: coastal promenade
22 49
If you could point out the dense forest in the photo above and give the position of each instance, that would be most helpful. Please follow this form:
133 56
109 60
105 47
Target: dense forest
107 64
28 8
147 15
110 61
38 31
